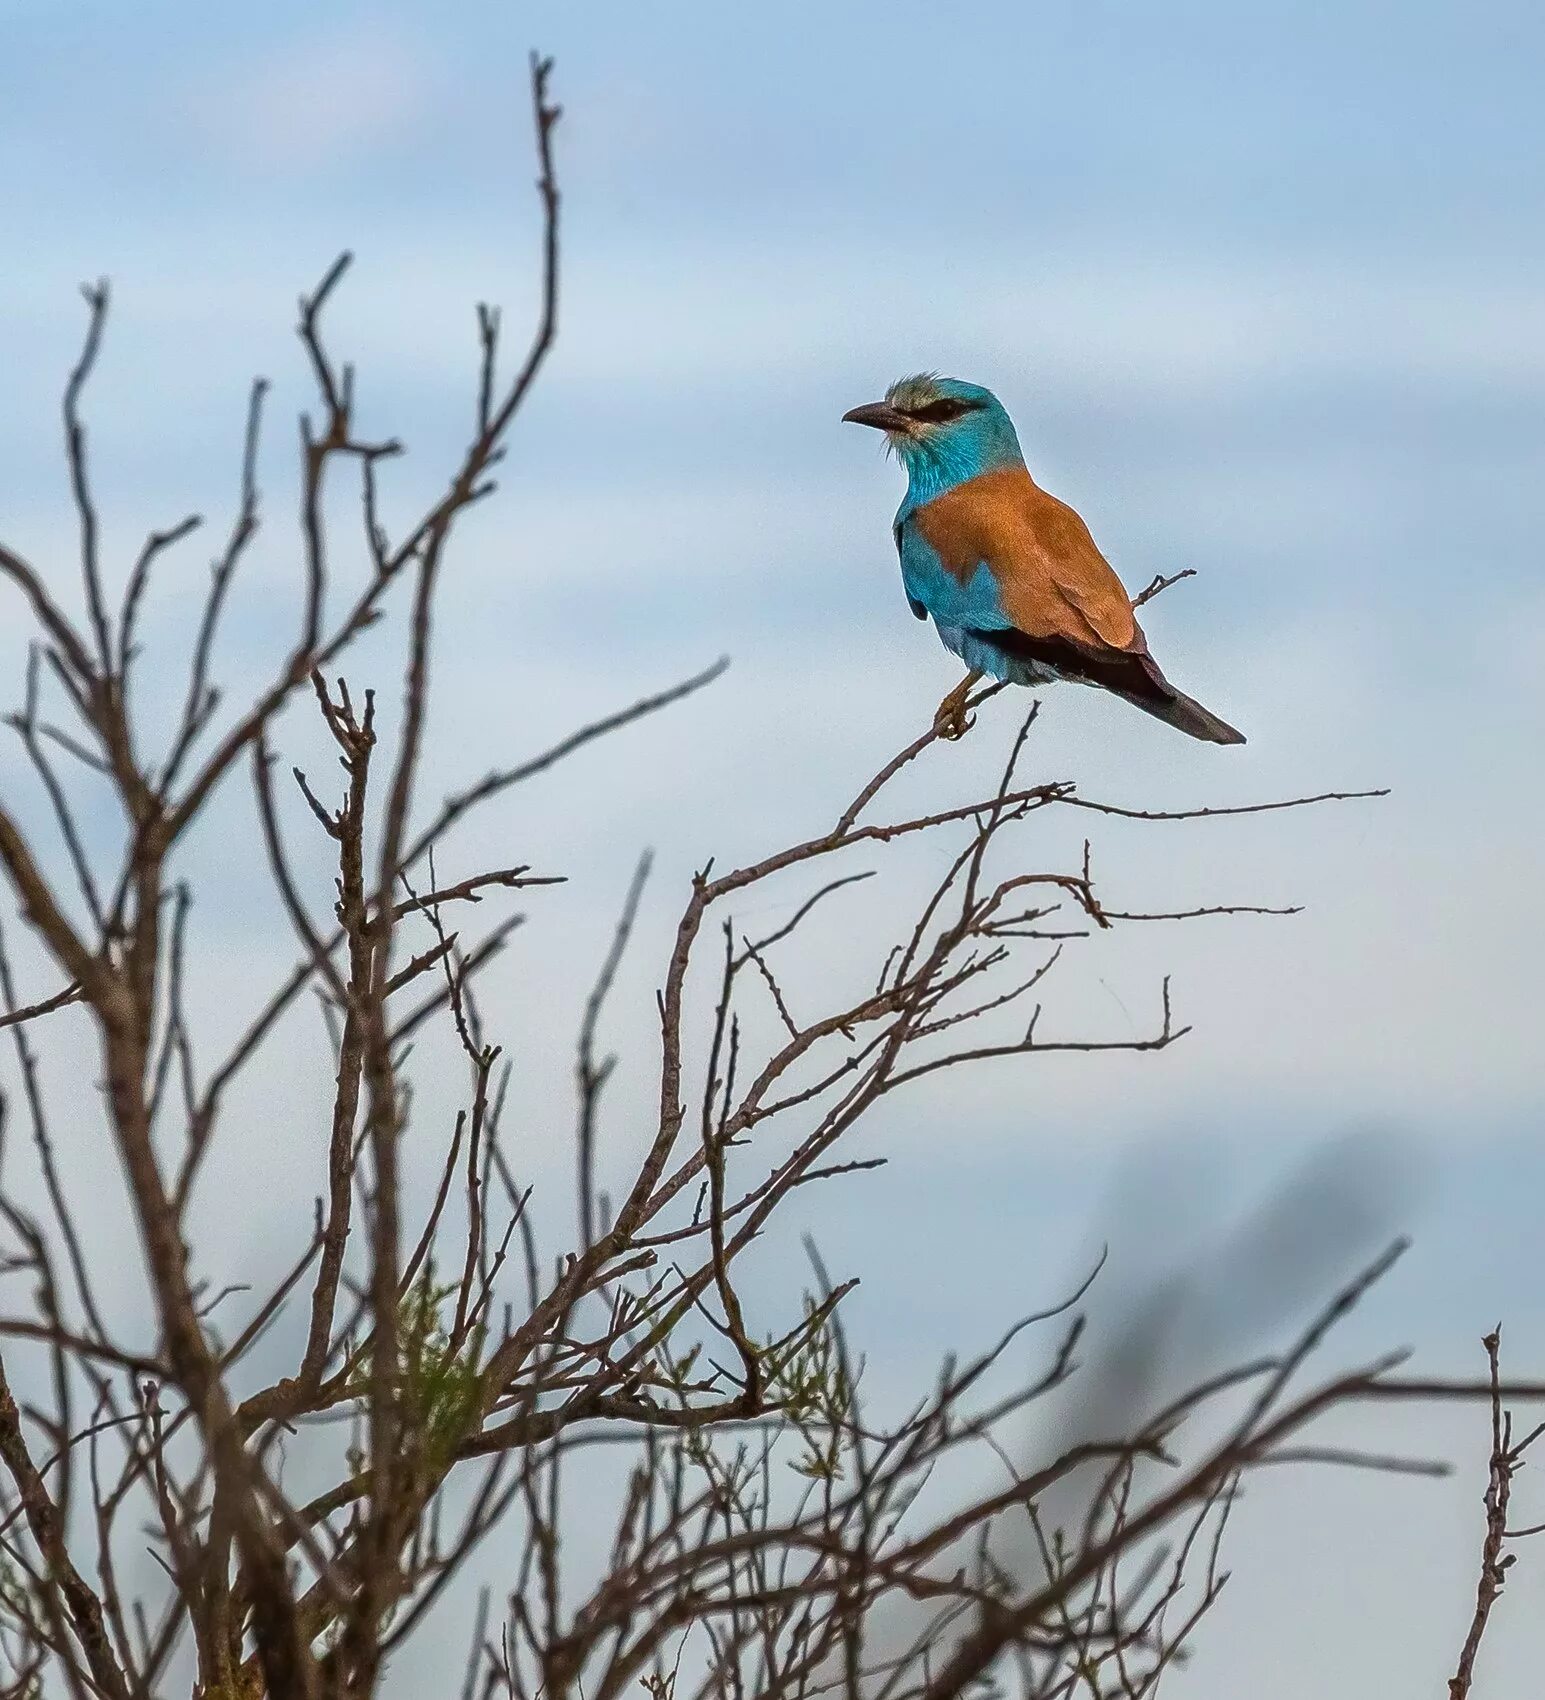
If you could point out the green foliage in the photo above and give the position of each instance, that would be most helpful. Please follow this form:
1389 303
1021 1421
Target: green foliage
440 1378
807 1380
14 1596
677 1372
16 1603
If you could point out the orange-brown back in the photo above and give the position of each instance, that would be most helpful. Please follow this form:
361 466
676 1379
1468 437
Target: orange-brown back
1052 579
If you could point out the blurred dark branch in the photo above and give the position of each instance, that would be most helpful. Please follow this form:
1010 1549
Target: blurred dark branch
1257 1439
31 1011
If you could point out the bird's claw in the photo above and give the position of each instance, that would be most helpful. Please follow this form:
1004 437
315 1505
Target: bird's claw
952 721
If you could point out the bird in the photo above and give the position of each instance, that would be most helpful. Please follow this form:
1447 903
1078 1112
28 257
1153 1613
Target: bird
1009 574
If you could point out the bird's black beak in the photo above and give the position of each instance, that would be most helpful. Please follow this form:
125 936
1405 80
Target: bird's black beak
879 414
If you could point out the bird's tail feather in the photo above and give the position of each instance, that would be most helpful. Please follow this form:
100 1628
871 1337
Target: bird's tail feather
1186 714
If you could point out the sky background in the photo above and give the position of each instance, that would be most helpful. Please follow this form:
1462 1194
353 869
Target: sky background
1262 287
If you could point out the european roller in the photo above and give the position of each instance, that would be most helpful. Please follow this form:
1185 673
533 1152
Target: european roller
1009 574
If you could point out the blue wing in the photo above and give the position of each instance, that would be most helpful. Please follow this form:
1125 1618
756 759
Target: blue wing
918 608
966 614
932 589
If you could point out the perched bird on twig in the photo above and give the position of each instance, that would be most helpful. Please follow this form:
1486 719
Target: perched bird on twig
1010 575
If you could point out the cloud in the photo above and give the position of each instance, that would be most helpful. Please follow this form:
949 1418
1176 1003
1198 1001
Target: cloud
704 317
350 91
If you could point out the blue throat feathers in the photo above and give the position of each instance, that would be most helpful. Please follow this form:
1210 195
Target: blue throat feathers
981 443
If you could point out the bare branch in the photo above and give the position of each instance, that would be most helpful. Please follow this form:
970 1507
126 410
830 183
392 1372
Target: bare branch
1506 1457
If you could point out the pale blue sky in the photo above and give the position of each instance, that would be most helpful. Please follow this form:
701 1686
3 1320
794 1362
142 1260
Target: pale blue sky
1264 287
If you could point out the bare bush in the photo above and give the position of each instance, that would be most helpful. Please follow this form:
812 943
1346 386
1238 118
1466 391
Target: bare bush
461 1351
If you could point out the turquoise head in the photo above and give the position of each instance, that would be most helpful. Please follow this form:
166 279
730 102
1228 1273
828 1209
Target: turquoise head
943 430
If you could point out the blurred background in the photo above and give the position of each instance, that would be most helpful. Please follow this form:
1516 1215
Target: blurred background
1262 288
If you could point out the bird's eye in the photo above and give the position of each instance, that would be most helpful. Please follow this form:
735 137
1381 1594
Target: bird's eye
940 412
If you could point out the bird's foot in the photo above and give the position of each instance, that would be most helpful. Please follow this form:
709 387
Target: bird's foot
950 718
